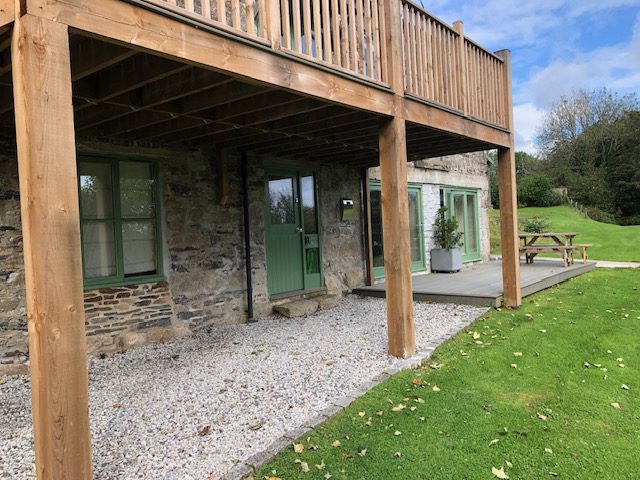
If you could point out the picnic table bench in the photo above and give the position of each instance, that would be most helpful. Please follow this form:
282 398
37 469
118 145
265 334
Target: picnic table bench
562 245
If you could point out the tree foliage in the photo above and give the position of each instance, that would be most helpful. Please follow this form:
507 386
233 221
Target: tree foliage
591 145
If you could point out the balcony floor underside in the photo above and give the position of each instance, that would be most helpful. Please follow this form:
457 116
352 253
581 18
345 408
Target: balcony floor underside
125 95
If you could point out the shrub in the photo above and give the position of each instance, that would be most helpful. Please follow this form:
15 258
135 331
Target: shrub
446 232
600 216
536 191
535 224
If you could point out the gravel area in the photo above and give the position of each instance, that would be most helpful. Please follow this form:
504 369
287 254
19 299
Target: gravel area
196 406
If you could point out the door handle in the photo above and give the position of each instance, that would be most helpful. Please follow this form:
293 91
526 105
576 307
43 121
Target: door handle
299 229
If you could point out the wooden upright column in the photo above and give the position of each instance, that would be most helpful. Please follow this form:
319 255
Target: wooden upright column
395 195
395 227
509 201
52 256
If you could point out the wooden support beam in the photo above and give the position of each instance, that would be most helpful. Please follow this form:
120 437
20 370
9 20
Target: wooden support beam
509 202
7 13
395 226
89 56
52 254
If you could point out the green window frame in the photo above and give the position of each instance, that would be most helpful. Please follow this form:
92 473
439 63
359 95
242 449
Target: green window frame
470 253
117 220
418 265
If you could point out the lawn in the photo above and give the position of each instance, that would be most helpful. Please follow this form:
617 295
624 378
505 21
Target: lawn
549 390
610 242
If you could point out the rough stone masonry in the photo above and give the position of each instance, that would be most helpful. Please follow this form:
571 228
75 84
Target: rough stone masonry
203 252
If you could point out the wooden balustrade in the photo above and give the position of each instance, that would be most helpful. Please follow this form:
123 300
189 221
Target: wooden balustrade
346 34
246 17
444 67
440 64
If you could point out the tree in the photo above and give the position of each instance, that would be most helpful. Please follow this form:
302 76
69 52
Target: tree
572 115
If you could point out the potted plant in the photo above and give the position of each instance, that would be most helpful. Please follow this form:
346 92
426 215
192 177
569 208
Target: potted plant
447 257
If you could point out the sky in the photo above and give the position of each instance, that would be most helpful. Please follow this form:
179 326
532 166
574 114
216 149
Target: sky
557 47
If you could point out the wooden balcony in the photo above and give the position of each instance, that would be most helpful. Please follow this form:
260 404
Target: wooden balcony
349 36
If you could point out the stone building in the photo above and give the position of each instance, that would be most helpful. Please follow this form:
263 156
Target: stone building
459 182
190 273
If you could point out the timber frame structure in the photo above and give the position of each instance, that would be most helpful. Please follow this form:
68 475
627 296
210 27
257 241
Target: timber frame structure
360 82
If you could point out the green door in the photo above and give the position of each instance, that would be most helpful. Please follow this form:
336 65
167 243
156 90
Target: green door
416 229
463 204
292 234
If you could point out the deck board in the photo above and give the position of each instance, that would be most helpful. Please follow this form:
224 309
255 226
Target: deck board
481 284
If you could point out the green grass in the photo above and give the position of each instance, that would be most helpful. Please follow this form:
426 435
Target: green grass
487 413
610 242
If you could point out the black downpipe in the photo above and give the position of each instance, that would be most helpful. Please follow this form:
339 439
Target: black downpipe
247 236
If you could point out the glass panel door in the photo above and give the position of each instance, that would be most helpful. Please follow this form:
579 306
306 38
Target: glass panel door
416 230
283 235
463 205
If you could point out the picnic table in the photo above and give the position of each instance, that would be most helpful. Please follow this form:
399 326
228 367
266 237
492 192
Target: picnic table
557 242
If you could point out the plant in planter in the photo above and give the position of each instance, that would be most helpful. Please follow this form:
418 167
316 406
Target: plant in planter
448 257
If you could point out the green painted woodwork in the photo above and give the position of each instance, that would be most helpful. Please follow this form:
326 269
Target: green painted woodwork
293 244
463 204
416 229
112 213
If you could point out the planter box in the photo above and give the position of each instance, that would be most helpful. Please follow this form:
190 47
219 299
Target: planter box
446 260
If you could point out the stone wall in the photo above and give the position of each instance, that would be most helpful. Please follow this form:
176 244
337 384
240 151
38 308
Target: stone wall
13 321
204 258
467 171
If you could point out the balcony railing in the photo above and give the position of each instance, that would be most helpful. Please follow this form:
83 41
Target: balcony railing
441 66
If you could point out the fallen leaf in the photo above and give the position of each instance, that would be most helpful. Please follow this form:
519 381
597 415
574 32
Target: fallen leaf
118 405
548 450
327 476
621 365
397 454
304 466
624 387
514 365
509 464
499 473
321 465
494 441
362 451
619 359
205 431
257 425
476 335
380 413
616 405
435 388
362 414
435 366
398 408
416 381
397 433
298 447
419 400
542 417
413 409
336 444
517 354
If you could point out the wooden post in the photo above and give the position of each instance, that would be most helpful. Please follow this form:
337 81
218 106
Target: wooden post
395 226
274 23
52 255
462 68
395 196
509 201
368 233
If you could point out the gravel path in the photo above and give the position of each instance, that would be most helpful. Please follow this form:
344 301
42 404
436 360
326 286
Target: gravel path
249 384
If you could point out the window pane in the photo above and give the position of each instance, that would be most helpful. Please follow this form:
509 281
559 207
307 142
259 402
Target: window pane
415 224
136 190
98 249
281 201
309 205
312 264
376 228
458 212
472 237
95 190
139 248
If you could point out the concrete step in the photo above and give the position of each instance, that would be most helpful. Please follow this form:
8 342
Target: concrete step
298 308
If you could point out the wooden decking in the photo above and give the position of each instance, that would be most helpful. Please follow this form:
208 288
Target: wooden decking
481 284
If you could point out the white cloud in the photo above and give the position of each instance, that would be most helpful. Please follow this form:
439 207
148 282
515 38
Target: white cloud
616 67
527 120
